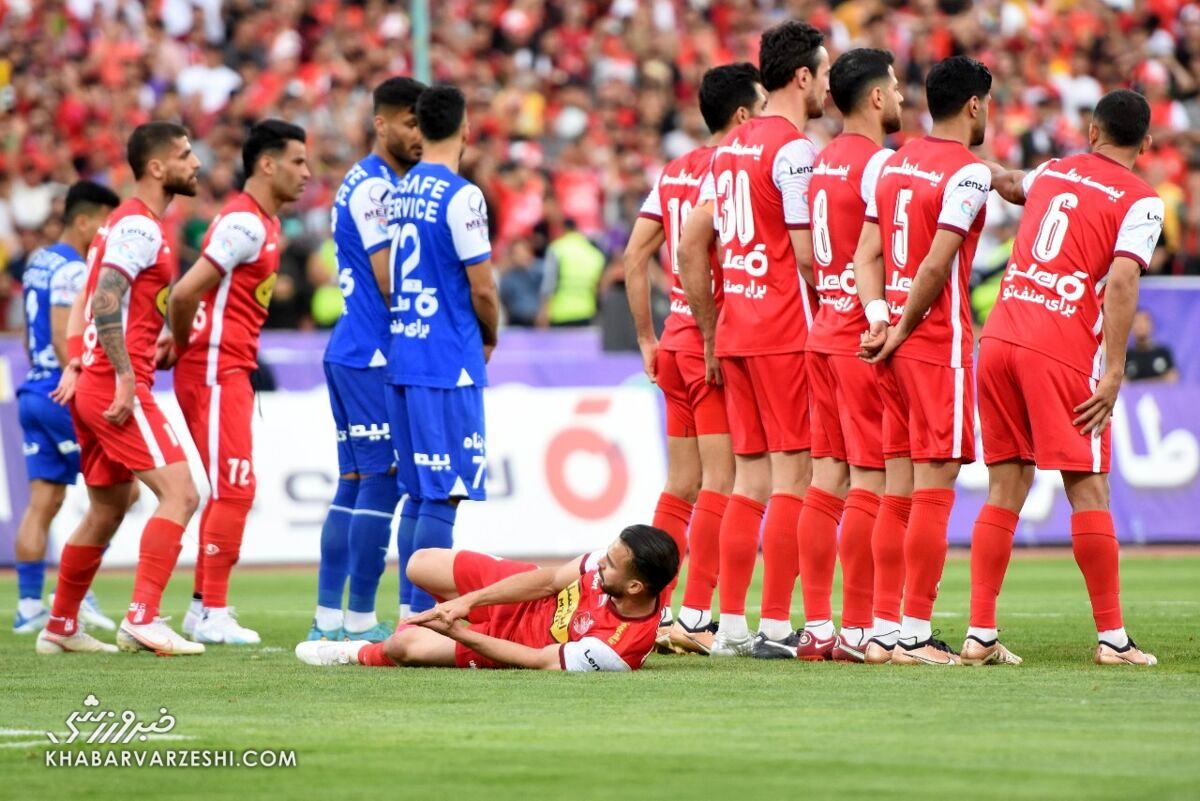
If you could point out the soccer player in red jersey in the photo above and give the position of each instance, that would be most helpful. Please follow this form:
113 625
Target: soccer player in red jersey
759 182
596 613
1051 359
849 445
216 312
122 432
699 454
923 225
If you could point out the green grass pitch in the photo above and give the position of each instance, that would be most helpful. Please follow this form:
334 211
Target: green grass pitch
685 727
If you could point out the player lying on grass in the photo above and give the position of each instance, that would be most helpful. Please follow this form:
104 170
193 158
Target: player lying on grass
598 612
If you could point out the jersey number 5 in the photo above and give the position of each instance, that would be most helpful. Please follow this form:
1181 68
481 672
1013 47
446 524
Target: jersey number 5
900 235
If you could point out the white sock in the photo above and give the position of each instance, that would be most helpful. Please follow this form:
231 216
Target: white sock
405 611
665 618
775 629
820 629
1117 638
30 607
983 635
855 636
886 630
328 619
197 607
361 621
694 619
734 626
913 630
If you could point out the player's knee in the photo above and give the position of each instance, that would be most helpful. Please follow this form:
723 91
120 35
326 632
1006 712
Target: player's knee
1088 495
46 500
396 648
685 488
419 564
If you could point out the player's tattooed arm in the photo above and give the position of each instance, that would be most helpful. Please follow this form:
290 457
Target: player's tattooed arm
106 313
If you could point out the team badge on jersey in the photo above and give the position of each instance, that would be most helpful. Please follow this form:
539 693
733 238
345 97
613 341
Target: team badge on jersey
262 292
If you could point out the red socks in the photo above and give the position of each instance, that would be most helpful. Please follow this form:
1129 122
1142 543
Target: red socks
858 567
372 655
779 547
738 548
222 528
198 580
672 515
159 551
925 548
991 547
76 568
705 552
887 553
817 536
1094 542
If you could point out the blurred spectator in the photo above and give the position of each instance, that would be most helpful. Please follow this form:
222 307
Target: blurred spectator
521 278
214 82
574 266
1148 360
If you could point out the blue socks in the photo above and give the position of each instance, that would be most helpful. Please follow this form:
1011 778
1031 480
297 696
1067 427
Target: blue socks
31 579
370 530
335 546
405 536
434 529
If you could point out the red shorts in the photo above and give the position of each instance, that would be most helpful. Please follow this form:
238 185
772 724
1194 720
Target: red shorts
473 571
1026 405
767 403
895 413
847 412
695 408
219 418
939 407
111 454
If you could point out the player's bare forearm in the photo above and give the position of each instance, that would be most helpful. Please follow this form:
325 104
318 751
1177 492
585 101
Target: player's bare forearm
1009 184
76 320
381 265
868 264
695 272
930 280
106 313
802 248
485 300
185 298
644 241
1120 303
506 652
60 318
528 586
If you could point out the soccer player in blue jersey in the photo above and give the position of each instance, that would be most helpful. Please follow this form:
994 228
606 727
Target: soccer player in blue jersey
444 315
355 536
53 277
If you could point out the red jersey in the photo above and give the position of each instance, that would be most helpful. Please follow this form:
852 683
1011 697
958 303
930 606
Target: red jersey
845 176
131 241
1081 212
759 180
674 196
243 244
929 184
583 620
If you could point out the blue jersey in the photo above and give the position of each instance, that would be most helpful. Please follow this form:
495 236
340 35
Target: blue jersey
440 227
53 277
359 226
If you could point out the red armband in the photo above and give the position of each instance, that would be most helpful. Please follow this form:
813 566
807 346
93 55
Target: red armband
75 348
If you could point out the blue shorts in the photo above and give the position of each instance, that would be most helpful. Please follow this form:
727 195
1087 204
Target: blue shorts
51 449
439 435
364 441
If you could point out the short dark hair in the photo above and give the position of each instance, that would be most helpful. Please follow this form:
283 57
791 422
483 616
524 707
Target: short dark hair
725 89
268 136
397 93
855 74
952 83
147 140
1124 116
440 112
655 556
87 197
786 48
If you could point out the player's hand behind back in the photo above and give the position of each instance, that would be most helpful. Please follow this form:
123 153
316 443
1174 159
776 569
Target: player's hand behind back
1096 412
873 340
165 353
122 405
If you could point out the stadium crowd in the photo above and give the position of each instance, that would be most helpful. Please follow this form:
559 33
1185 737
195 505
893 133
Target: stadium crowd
574 107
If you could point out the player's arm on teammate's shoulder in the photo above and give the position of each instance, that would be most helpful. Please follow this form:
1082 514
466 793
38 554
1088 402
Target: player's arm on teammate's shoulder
868 278
645 240
111 287
1009 184
1120 303
696 277
185 299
